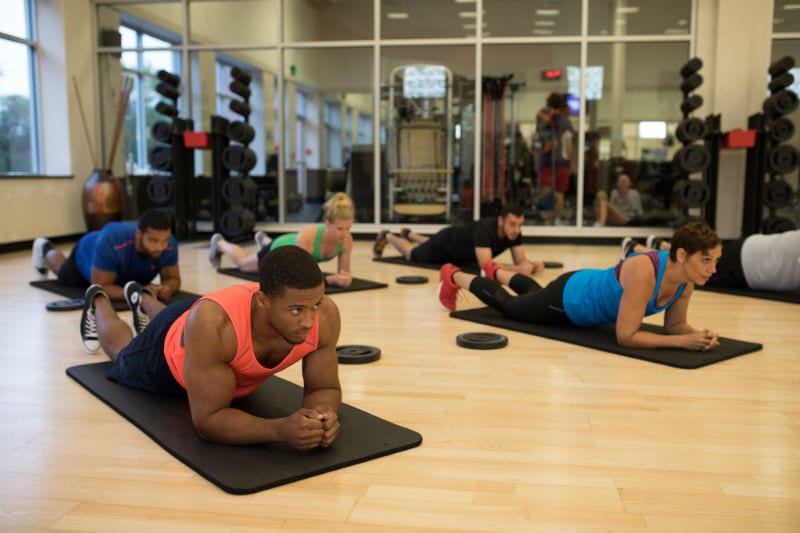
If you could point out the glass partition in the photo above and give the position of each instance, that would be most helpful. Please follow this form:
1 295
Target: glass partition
632 107
428 120
324 87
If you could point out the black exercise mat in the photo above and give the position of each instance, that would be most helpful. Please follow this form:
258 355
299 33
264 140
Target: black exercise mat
70 293
247 469
605 338
471 268
357 284
792 297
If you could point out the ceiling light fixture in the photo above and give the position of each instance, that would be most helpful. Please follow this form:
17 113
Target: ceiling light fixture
627 10
547 12
397 16
467 15
544 23
791 7
542 32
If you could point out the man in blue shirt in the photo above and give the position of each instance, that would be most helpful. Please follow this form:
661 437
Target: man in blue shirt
118 253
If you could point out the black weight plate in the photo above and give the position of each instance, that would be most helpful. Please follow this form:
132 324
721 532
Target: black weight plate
783 159
776 224
65 305
411 280
778 194
553 264
356 354
482 341
159 189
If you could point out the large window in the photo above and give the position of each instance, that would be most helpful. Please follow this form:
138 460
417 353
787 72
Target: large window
18 107
142 64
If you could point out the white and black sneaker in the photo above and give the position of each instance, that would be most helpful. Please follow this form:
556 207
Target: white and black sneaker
628 244
133 295
214 255
89 338
40 246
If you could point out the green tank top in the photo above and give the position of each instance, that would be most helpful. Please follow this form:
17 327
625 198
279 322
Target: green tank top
291 239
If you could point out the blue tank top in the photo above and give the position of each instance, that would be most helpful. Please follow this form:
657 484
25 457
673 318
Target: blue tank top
592 296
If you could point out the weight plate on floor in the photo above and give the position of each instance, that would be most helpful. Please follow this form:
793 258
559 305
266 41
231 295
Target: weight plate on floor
355 354
65 305
553 264
411 280
482 341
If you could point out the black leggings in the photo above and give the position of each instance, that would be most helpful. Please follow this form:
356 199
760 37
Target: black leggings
533 304
729 269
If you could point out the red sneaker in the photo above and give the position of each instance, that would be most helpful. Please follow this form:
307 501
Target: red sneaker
489 270
448 290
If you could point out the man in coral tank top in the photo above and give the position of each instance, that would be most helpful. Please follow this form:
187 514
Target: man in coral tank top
224 345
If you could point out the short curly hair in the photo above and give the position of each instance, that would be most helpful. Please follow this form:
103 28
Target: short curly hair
693 237
288 267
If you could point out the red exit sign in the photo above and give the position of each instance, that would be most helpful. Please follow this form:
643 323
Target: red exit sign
552 74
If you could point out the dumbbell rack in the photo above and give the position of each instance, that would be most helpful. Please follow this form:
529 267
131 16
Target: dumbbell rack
770 159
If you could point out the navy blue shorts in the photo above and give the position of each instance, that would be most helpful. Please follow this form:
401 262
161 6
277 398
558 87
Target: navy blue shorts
142 364
69 274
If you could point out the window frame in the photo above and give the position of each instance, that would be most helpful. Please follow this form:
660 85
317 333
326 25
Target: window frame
34 137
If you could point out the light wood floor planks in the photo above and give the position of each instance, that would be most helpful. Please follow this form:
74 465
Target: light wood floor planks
538 436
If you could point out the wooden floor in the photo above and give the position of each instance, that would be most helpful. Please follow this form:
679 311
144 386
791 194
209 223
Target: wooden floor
538 436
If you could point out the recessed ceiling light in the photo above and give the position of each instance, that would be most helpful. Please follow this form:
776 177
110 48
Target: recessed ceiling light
791 7
627 10
397 15
465 1
675 31
547 12
467 15
544 23
469 26
683 22
542 32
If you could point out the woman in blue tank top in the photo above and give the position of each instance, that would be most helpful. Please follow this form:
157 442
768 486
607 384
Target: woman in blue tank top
640 285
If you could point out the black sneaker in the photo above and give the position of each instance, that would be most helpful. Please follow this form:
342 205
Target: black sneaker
133 295
89 338
380 244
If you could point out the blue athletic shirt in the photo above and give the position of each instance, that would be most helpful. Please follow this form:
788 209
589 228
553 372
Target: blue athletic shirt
113 249
592 296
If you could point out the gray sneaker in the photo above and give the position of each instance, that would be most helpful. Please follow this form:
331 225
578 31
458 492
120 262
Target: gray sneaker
133 295
214 255
89 338
38 256
262 240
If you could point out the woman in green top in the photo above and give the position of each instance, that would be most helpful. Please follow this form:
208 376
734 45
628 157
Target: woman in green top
322 241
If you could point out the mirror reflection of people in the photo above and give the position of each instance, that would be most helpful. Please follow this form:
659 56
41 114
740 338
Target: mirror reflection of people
624 205
324 242
638 286
555 149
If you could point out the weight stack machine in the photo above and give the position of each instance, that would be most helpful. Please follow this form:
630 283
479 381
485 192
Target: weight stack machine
694 159
771 158
234 195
